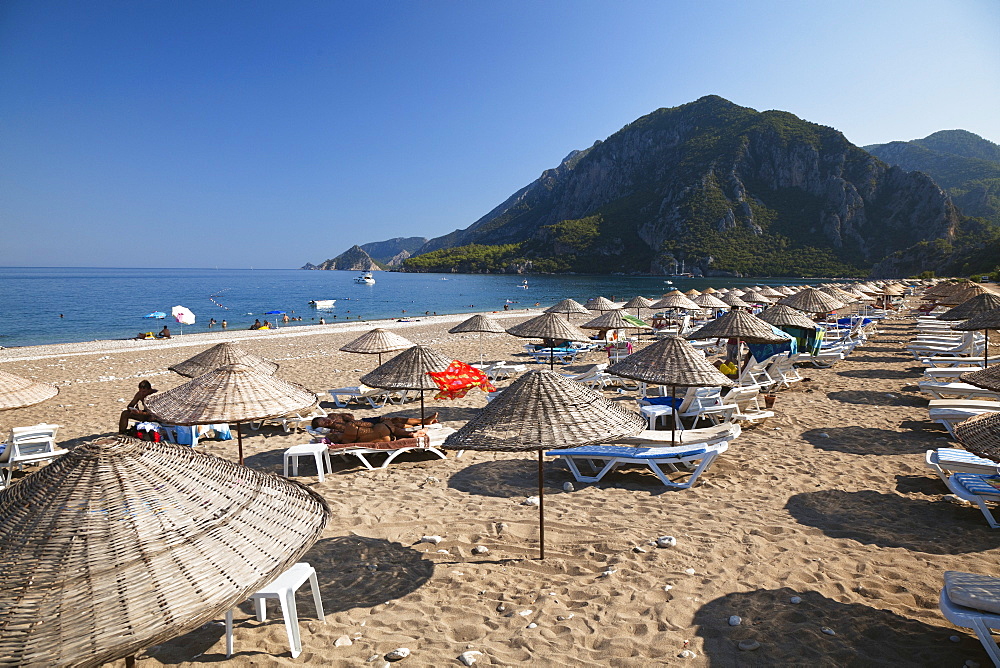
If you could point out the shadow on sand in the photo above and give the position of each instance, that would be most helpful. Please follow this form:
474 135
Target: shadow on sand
789 634
869 441
891 520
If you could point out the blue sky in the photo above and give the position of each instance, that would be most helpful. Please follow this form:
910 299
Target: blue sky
269 134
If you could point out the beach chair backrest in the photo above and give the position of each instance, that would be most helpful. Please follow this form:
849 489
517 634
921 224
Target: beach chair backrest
36 439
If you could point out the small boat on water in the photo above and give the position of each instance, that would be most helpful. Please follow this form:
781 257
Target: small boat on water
323 303
365 279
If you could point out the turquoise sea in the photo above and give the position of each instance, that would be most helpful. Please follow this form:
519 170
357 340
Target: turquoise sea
109 303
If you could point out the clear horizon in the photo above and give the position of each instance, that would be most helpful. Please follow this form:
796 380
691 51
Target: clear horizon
270 135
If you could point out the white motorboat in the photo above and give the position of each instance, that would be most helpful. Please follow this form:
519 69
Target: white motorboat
323 303
365 279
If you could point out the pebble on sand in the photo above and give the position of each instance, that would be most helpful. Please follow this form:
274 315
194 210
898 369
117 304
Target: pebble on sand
480 549
469 658
735 620
431 539
343 641
531 501
666 541
749 645
689 571
687 654
828 631
795 599
398 654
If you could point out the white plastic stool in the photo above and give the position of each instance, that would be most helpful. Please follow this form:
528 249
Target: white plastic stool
318 451
283 589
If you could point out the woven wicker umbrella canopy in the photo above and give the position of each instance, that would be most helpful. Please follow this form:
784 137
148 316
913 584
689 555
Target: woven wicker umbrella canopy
568 306
812 300
756 297
600 304
981 435
548 326
479 323
674 301
613 320
984 321
638 302
708 291
987 378
408 371
542 410
18 392
671 361
709 301
733 300
741 325
376 342
962 294
981 303
785 290
691 293
839 295
115 548
221 355
768 291
232 393
780 315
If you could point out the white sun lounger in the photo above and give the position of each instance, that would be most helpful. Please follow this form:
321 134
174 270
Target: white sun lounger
374 397
947 461
950 416
941 389
363 451
973 601
976 488
604 459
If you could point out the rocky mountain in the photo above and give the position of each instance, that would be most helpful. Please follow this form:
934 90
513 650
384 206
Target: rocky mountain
722 188
968 168
393 251
963 163
353 259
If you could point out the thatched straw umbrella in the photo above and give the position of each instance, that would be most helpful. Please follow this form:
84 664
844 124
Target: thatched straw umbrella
707 301
232 393
708 291
548 326
980 435
115 548
408 371
600 304
671 361
613 320
984 321
744 326
987 378
568 306
221 355
675 301
961 294
981 303
481 324
756 297
732 300
812 300
780 315
376 342
768 291
541 410
637 303
18 392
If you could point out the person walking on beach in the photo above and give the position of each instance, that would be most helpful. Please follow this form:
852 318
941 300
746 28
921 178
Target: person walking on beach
136 409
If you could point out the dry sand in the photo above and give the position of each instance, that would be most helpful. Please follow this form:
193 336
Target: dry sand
828 501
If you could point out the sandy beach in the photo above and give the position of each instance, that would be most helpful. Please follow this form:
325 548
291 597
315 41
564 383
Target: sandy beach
829 501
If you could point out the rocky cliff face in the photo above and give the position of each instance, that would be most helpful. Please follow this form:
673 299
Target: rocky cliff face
353 259
722 188
385 251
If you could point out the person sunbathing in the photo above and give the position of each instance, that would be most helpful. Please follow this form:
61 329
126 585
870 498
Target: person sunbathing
397 426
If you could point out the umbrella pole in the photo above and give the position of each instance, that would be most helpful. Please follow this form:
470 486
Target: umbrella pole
421 407
480 348
673 414
986 348
541 508
239 440
552 354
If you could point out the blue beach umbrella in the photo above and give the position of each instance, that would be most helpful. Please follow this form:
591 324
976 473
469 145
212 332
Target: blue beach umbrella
159 315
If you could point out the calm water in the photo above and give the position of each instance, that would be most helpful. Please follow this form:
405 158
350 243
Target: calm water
110 303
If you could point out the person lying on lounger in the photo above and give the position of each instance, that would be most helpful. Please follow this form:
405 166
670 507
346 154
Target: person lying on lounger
397 426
